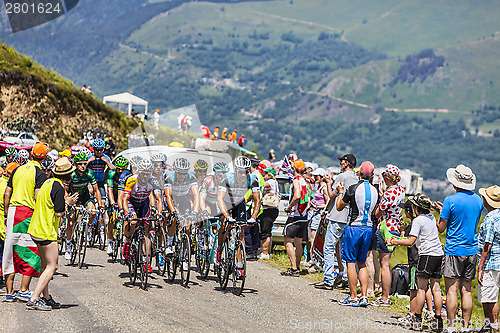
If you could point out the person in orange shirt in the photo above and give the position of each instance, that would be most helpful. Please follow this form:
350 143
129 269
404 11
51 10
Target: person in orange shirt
233 137
224 133
216 133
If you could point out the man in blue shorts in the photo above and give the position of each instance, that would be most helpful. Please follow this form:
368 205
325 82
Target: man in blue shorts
362 198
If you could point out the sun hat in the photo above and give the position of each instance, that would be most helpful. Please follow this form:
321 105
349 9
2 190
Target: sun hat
349 158
319 172
421 200
40 150
309 165
462 177
366 168
391 169
271 170
63 167
299 165
491 195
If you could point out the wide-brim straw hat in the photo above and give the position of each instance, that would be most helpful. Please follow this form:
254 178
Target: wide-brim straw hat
63 167
491 195
462 177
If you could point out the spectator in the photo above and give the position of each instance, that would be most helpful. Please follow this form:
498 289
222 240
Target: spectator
388 211
252 238
272 156
270 212
336 222
49 209
318 204
156 119
430 257
224 133
362 198
459 216
216 133
488 272
296 224
241 140
19 202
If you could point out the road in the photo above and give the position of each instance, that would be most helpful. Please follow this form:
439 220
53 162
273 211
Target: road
100 299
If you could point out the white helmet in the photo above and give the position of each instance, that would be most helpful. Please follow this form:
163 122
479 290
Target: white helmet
145 165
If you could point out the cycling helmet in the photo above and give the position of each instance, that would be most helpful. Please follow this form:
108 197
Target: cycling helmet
98 143
145 165
135 160
181 165
221 167
23 153
48 163
80 157
121 163
11 152
157 158
201 165
86 151
164 157
242 163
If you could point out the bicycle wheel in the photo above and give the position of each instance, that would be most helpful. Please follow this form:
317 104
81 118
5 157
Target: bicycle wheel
132 262
91 234
143 261
239 273
185 259
225 265
117 243
61 237
159 253
204 258
101 234
82 244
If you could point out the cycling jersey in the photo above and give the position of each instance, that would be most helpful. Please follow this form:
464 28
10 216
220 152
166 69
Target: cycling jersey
235 192
210 189
80 184
98 166
140 193
123 179
112 181
180 189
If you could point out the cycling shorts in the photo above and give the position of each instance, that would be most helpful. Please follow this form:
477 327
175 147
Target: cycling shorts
84 199
140 209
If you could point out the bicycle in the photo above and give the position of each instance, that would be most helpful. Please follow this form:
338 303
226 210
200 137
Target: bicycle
139 256
229 260
96 232
80 233
204 257
182 252
117 217
158 246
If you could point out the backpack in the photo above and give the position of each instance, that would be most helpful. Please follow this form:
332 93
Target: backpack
400 280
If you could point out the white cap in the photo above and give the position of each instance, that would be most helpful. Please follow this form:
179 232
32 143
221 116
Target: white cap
309 165
319 172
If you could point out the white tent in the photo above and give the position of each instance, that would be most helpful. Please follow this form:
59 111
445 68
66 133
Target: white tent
126 98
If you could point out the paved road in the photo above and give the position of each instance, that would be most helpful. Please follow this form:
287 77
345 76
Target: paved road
99 299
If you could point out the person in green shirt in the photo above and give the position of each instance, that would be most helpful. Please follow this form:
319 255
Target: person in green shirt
49 208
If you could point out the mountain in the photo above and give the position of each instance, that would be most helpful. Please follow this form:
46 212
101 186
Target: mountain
411 83
60 109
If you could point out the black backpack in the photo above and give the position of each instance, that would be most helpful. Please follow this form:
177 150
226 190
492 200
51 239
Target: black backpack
400 279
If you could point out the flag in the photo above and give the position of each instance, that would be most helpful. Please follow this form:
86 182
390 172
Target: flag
287 168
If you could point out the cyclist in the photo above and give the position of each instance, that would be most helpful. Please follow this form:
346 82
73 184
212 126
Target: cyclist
113 178
232 192
24 156
98 163
158 168
138 190
80 180
209 188
178 185
47 165
11 155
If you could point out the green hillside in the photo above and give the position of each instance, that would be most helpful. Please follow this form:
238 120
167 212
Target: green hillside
318 77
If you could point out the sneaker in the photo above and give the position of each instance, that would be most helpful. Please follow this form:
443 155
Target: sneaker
169 250
50 302
363 301
25 297
417 325
69 247
305 263
126 250
38 304
109 250
348 301
428 317
185 266
161 262
406 319
338 281
150 270
323 286
264 256
10 298
381 302
291 272
218 257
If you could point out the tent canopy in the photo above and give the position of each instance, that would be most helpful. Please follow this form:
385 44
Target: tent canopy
126 98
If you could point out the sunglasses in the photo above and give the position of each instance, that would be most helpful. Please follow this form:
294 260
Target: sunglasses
81 163
158 165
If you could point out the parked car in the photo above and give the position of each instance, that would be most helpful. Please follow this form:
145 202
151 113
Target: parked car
23 139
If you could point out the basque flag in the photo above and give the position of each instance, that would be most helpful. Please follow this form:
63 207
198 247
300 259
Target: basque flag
286 167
